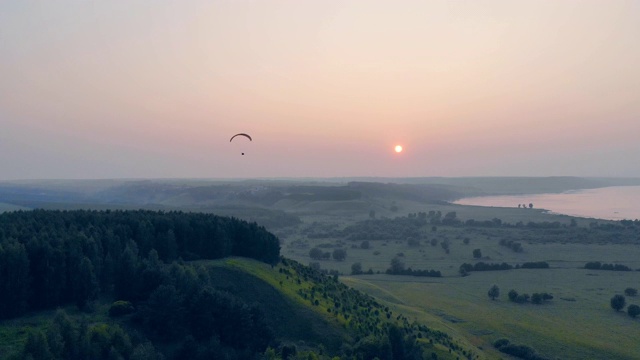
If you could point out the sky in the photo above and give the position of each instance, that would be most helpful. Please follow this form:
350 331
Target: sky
327 88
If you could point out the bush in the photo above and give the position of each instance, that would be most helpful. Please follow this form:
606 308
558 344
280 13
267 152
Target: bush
316 253
535 265
536 298
339 254
521 351
356 269
633 310
522 298
597 265
120 308
631 292
618 302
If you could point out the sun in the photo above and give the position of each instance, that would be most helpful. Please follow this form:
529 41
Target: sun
398 148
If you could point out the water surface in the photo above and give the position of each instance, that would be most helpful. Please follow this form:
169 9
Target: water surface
611 203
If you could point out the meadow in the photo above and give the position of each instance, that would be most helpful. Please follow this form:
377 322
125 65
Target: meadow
578 323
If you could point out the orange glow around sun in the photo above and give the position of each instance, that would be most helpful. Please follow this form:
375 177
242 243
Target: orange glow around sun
398 148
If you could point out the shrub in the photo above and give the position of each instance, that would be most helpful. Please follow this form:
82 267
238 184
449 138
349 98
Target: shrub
522 298
618 302
316 253
631 292
536 298
356 268
339 254
521 351
120 308
535 265
633 310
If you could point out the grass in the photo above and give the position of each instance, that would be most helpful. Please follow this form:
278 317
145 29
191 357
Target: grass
319 328
10 207
584 328
581 326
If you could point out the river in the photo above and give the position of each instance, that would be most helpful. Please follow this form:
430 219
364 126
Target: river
611 203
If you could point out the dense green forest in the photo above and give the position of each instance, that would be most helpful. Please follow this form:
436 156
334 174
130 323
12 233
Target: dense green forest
50 258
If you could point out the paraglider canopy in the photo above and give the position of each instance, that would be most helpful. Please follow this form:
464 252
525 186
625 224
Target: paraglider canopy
241 134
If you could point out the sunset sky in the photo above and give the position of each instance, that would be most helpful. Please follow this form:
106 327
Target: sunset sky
155 89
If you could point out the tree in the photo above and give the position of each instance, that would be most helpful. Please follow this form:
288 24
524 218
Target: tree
494 292
356 269
86 284
163 311
14 280
513 295
618 302
631 292
145 351
477 253
445 245
315 253
37 346
536 298
339 254
633 310
397 266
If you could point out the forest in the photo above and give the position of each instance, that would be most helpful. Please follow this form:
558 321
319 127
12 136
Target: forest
50 258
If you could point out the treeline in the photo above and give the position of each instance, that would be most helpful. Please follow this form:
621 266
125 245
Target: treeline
482 266
513 245
52 258
398 268
385 229
410 272
520 351
173 304
535 298
597 265
413 226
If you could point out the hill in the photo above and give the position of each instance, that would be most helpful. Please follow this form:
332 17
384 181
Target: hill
122 301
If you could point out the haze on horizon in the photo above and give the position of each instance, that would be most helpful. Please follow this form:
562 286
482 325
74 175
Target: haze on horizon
129 89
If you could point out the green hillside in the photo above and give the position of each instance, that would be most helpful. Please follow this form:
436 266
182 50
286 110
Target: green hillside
312 315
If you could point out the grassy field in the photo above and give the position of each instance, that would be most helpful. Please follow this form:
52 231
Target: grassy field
10 207
577 324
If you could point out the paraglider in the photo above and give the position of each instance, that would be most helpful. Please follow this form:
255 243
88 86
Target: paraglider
241 134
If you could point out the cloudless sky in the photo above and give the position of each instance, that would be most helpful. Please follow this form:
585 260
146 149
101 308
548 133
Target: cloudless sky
155 89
